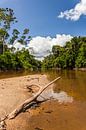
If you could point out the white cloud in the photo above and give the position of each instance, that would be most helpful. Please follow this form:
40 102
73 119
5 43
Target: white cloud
42 46
17 45
75 13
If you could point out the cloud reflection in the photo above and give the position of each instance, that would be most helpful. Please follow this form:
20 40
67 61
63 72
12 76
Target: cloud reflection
62 96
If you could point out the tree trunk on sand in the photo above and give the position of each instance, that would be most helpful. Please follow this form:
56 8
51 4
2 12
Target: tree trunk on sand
30 100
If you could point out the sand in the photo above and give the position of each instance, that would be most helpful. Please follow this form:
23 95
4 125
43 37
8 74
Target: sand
13 92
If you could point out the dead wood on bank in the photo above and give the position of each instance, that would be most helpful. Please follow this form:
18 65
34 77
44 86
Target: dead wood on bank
30 100
26 104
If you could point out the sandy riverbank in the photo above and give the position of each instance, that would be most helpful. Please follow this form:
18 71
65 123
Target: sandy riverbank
49 116
13 92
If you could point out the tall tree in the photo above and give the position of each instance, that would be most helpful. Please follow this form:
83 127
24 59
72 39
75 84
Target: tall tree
6 19
15 36
25 38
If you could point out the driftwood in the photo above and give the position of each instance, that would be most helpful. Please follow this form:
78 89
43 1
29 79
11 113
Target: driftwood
2 125
30 100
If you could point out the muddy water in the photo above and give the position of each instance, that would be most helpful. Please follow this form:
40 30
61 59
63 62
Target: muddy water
11 74
66 110
72 83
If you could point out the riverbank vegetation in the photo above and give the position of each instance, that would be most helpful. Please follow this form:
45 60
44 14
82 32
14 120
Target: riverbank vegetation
72 55
17 61
11 59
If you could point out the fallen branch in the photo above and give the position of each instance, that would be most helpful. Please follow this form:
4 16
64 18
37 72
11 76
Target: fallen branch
30 100
2 125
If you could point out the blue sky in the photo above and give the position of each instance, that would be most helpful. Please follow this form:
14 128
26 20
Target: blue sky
41 16
51 22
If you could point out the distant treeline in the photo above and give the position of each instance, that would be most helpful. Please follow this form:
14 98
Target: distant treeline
18 60
72 55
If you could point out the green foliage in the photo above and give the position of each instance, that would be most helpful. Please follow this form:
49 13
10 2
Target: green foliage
72 55
25 38
60 62
19 60
81 59
15 35
9 58
6 17
48 62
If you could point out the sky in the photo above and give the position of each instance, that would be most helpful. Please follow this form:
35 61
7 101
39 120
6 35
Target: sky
50 21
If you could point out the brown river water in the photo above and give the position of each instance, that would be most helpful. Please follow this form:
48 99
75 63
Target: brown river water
67 109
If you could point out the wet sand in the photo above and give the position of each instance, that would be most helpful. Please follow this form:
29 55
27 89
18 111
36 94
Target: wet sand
50 115
54 116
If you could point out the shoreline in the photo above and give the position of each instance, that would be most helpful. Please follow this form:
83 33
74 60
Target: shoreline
50 115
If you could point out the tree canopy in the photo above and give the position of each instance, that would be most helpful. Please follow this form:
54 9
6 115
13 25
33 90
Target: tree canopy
72 55
10 60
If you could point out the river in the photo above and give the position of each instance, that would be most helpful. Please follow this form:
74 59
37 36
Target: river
68 110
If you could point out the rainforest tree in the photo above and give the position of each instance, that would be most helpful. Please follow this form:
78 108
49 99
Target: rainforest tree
10 59
72 55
